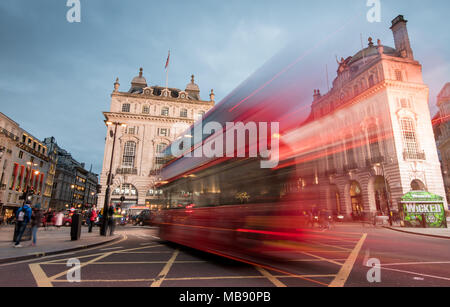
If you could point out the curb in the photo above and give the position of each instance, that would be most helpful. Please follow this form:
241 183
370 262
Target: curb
419 234
44 254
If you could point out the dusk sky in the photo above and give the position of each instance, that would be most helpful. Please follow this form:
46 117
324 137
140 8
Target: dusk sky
56 77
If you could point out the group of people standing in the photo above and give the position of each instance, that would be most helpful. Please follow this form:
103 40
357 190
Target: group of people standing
25 215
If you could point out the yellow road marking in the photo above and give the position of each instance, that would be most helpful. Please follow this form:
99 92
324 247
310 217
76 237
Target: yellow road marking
39 275
346 269
195 278
124 237
270 277
334 246
323 259
52 278
162 275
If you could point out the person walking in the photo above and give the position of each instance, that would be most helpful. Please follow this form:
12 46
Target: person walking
59 219
111 220
92 218
48 218
23 218
36 220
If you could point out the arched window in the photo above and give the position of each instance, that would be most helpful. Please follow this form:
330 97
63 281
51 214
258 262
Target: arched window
417 185
411 148
129 154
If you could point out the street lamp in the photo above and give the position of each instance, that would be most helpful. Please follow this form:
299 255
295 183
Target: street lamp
108 182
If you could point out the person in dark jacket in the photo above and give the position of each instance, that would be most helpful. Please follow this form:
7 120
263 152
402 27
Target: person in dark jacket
23 217
36 220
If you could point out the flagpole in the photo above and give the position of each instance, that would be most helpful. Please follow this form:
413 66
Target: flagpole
167 78
167 71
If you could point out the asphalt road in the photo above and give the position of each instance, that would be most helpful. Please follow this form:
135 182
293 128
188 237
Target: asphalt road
336 258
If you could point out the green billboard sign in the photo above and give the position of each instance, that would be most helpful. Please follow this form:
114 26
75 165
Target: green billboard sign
423 209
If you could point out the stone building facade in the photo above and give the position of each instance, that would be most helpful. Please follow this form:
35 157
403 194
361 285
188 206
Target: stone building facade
74 186
147 119
441 126
381 144
25 163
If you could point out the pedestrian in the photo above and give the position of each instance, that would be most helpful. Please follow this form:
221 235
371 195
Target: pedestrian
36 220
23 217
59 219
111 220
48 218
92 218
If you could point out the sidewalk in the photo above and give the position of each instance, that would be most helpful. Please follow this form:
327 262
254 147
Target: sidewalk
442 233
49 242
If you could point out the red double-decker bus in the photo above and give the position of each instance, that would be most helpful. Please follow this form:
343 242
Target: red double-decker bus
229 204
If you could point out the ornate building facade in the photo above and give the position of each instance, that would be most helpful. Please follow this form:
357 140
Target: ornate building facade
143 121
372 132
441 126
74 186
26 163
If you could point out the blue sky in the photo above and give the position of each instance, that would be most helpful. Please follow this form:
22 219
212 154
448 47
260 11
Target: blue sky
56 77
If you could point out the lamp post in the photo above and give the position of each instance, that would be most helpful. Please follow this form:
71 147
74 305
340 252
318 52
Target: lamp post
108 182
29 170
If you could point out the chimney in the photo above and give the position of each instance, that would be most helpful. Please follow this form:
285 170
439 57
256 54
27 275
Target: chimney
317 95
401 37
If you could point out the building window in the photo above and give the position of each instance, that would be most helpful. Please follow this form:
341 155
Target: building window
371 81
184 113
405 103
132 130
126 107
410 145
163 132
146 109
159 161
398 75
20 154
200 115
165 111
160 148
129 154
126 190
374 144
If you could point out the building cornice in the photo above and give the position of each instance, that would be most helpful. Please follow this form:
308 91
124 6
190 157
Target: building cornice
162 98
144 117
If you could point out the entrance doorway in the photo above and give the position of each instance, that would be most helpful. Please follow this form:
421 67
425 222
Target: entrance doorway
381 195
356 200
